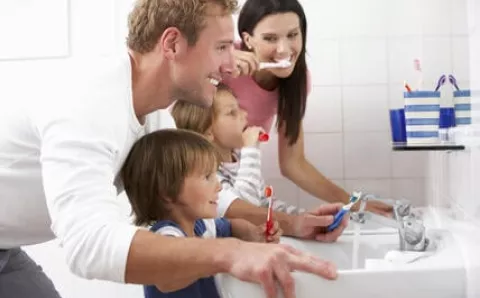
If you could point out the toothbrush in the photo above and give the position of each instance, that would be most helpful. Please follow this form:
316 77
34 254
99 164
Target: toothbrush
418 68
279 64
441 82
345 209
453 81
405 84
263 137
269 196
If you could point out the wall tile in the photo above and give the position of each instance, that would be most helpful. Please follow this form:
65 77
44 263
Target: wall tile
324 110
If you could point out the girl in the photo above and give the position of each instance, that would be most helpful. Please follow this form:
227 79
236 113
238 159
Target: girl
225 124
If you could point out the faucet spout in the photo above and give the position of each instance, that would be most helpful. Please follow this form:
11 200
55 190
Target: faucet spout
411 230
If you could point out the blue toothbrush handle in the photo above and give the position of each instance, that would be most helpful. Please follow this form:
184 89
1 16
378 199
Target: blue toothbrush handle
337 220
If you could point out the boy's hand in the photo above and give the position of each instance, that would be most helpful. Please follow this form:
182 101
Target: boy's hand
250 136
275 233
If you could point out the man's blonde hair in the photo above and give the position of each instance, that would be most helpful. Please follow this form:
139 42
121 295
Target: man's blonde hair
150 18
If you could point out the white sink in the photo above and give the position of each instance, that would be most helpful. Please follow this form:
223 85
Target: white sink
439 275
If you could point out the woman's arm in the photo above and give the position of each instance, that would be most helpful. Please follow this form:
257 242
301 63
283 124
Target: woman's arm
300 171
295 167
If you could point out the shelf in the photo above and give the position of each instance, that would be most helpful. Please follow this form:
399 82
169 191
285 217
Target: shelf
427 147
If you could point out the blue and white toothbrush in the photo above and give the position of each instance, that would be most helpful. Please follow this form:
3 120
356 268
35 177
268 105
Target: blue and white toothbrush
345 209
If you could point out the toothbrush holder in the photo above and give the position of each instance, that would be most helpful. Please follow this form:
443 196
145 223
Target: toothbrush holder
463 107
422 116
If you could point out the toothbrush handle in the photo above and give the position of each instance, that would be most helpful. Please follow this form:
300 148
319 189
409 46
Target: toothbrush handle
268 228
337 220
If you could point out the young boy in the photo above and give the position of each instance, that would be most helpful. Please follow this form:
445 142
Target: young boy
169 177
225 124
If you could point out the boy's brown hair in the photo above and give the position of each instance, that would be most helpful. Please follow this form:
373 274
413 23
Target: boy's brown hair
150 18
196 118
155 170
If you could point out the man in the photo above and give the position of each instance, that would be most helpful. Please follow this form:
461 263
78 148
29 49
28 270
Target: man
64 137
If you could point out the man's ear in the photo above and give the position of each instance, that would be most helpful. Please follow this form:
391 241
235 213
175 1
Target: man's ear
172 43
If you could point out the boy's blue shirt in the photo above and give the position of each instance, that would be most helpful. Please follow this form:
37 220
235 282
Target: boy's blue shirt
204 287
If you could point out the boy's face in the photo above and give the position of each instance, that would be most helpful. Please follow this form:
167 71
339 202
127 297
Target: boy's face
229 122
199 194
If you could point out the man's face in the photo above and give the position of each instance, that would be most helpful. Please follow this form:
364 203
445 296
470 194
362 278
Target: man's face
197 72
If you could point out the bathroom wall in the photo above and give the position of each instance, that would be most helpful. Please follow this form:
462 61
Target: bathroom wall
359 53
452 179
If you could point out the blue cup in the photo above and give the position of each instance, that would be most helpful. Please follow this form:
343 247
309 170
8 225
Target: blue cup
397 125
447 117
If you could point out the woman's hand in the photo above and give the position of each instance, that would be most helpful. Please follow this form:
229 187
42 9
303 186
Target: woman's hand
245 63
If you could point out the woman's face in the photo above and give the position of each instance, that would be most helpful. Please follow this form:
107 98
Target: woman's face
277 37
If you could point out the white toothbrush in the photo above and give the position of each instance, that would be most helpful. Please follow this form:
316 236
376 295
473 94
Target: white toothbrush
418 68
279 64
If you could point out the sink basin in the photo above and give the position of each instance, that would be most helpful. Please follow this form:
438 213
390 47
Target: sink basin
341 252
368 274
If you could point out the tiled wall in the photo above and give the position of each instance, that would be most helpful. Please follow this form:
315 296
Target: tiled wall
454 177
359 53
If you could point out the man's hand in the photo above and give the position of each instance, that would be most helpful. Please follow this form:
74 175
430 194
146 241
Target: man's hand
267 263
313 224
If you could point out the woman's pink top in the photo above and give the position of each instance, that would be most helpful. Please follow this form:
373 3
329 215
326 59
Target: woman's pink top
260 104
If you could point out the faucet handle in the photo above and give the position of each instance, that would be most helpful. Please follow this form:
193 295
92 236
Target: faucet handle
358 217
402 208
414 233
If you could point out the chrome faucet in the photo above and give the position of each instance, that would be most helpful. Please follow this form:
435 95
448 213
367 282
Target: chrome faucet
411 230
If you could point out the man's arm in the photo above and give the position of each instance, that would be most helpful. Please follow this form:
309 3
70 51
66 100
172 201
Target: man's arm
173 263
77 161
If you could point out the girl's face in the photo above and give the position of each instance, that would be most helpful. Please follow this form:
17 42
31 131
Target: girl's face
277 37
229 122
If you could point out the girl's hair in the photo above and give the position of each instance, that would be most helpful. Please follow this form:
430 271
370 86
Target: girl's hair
156 167
292 90
193 117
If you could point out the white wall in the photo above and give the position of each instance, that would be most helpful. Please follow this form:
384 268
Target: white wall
360 51
453 179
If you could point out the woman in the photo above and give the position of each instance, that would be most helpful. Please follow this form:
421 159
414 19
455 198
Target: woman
272 31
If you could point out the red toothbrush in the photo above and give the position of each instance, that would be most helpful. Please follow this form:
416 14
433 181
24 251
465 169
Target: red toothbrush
263 137
269 196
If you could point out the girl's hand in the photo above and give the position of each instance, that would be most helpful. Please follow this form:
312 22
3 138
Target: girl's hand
250 136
